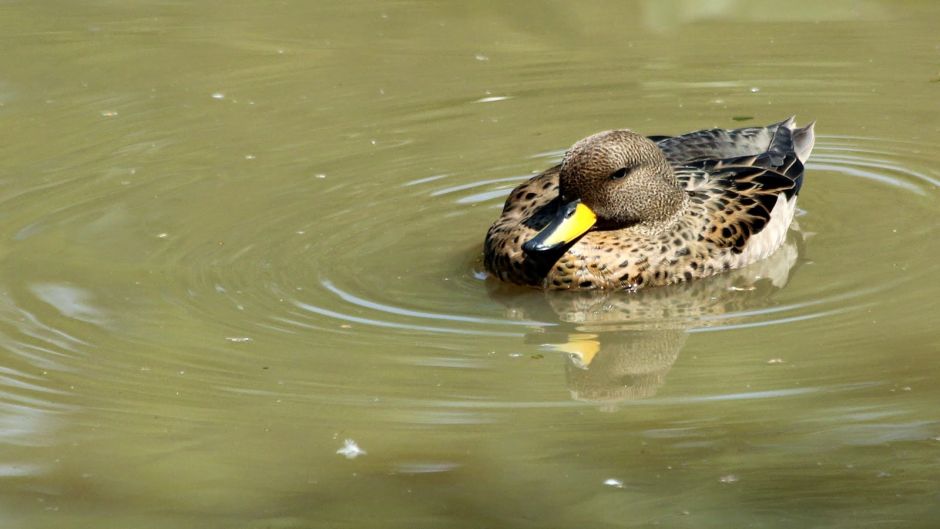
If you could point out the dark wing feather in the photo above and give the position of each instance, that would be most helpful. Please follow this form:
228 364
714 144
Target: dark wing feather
739 193
719 144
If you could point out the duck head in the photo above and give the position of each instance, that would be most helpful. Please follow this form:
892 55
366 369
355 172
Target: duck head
610 180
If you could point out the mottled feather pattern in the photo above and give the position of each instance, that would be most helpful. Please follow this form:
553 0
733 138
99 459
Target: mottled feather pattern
739 194
739 183
528 209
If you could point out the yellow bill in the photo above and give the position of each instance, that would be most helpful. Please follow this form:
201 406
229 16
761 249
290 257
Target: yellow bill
572 221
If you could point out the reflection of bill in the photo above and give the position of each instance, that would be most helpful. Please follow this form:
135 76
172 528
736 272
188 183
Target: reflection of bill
620 345
632 365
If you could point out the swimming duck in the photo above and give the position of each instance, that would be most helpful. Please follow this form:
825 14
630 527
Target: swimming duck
625 211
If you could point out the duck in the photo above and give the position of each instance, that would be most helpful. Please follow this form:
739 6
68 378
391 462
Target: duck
627 211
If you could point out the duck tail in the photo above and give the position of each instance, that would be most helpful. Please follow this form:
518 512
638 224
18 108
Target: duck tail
803 140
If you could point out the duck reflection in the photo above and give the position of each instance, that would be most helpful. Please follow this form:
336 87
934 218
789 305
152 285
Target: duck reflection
620 345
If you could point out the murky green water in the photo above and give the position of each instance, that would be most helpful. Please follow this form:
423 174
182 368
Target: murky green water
234 235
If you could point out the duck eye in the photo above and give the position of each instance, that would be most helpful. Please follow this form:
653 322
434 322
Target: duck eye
619 173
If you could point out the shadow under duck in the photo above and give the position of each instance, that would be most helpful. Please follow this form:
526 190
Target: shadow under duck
625 211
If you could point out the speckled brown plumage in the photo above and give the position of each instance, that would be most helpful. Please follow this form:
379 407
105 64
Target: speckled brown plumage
669 209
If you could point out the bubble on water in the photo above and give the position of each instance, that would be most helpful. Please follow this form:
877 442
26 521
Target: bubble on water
774 361
755 89
480 57
730 478
238 339
249 156
350 450
613 482
163 235
109 113
218 95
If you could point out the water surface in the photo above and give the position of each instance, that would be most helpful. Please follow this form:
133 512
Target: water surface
234 236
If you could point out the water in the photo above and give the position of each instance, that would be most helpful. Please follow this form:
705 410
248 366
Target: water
236 236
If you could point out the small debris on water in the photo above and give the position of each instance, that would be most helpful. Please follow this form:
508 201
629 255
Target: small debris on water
239 339
742 118
350 450
730 478
109 113
612 482
537 356
755 89
515 355
493 99
774 361
321 176
480 57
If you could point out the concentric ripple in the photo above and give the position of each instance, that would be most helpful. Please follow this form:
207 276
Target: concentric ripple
378 271
388 271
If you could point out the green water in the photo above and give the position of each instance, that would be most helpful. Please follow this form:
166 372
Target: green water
234 235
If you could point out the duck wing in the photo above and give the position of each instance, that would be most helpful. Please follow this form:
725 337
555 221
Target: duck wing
720 144
737 195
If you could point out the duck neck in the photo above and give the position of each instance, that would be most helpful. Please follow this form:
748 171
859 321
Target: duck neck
663 198
672 206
